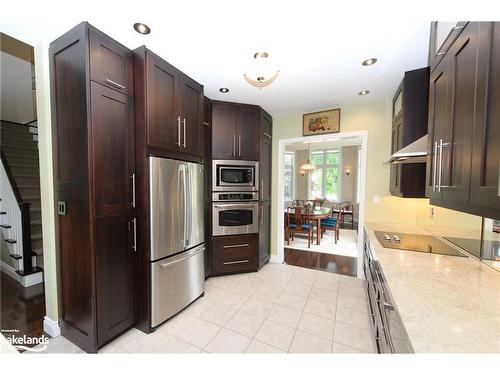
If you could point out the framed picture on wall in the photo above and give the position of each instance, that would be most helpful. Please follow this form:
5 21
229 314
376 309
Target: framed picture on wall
323 122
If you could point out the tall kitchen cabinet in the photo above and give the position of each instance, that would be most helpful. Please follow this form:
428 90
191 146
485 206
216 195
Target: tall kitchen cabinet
235 133
94 173
169 110
464 123
265 157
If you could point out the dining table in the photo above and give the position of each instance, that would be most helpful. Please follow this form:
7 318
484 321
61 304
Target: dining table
315 214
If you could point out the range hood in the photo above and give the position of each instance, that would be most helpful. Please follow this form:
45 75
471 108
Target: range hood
415 152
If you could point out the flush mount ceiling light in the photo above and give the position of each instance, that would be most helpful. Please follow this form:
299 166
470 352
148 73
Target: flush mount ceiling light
224 90
369 61
364 92
142 28
262 71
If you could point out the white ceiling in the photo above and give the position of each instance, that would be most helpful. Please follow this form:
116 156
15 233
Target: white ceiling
318 46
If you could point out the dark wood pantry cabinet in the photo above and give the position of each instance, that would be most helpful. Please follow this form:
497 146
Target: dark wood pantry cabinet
265 157
464 123
235 131
410 111
94 174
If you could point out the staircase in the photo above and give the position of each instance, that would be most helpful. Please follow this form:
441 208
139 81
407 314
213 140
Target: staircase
19 146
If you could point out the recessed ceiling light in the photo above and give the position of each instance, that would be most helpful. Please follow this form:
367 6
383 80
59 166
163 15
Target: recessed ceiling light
369 62
142 28
224 90
364 92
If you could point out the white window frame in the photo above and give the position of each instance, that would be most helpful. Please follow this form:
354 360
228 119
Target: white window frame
292 169
323 168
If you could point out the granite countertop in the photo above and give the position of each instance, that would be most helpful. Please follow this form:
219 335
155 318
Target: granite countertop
448 304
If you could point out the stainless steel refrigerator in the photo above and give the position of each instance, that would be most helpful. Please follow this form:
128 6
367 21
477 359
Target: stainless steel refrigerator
177 236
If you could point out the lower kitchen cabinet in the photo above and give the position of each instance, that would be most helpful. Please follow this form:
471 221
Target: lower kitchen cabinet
388 329
233 254
115 259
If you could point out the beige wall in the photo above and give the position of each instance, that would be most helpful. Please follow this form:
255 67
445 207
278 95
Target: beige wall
375 117
46 180
301 182
348 183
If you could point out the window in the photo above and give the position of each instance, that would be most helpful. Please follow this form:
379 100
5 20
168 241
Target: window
324 181
289 174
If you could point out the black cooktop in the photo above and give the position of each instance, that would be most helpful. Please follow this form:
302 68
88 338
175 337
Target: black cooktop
416 242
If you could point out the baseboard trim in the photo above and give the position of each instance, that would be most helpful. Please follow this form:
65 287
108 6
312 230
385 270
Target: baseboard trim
25 281
51 327
276 259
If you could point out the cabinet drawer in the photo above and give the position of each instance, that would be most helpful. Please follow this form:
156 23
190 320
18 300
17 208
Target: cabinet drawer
111 64
231 254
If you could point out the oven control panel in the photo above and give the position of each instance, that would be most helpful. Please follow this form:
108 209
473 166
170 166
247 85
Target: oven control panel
234 197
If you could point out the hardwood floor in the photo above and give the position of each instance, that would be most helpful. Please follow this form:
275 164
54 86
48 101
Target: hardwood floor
22 309
320 261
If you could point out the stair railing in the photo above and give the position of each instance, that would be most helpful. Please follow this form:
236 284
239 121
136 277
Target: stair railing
17 215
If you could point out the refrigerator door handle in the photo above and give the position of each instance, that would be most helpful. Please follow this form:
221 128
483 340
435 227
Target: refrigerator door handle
182 223
186 242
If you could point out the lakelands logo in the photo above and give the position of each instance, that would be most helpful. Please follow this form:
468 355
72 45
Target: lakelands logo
21 342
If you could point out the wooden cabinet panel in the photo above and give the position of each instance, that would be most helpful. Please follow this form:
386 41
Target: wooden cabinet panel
247 133
111 64
163 121
232 254
191 115
439 119
443 34
223 130
457 133
115 276
113 150
485 171
264 232
265 156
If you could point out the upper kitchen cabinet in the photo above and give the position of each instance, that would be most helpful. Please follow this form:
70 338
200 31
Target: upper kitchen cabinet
409 124
464 130
169 105
485 171
265 155
443 34
235 131
111 64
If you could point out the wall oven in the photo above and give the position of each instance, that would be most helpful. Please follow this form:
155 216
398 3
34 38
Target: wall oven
235 213
235 175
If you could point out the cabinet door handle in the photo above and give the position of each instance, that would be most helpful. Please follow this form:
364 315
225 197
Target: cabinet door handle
179 131
134 224
440 163
268 135
441 53
133 189
236 262
116 84
184 128
239 146
454 28
434 170
205 123
233 246
234 145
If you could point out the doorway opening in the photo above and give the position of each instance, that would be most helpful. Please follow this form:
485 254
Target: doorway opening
21 282
321 210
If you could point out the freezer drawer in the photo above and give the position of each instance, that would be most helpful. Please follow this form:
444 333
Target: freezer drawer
176 282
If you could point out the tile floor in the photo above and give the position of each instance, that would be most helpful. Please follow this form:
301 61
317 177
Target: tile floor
279 309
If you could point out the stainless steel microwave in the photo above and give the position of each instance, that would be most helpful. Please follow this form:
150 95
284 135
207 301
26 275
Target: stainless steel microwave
235 175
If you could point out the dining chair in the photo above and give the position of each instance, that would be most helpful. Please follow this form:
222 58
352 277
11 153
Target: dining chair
348 208
298 220
333 223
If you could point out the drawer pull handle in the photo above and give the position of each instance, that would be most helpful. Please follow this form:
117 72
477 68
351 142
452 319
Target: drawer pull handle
236 262
231 246
116 84
168 264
